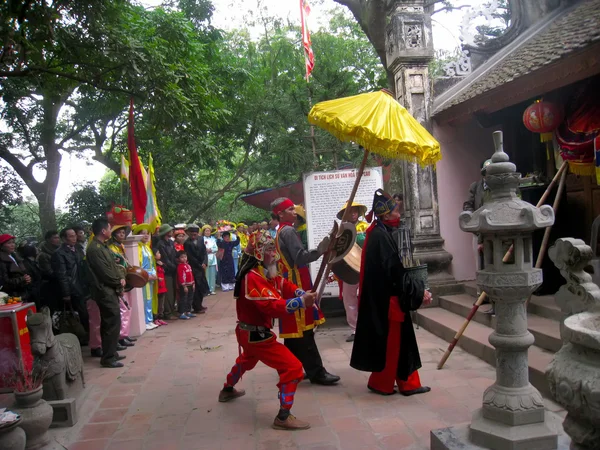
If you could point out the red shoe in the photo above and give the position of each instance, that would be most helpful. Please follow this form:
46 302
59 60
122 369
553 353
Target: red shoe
162 322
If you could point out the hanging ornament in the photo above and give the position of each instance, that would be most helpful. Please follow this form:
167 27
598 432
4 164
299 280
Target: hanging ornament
542 117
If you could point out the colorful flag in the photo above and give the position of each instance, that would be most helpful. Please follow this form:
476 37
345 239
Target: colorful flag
124 168
136 178
152 212
309 56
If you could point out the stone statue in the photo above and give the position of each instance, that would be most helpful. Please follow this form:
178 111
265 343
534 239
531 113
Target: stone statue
573 373
59 356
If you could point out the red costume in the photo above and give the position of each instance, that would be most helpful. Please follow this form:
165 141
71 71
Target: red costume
260 301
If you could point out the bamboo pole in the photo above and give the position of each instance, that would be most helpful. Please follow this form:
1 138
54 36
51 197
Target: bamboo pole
562 173
462 329
542 200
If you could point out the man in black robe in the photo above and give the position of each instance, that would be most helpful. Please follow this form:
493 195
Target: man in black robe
385 342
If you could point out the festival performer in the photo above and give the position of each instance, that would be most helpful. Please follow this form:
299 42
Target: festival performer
300 225
120 221
350 291
262 295
298 329
385 342
211 249
148 263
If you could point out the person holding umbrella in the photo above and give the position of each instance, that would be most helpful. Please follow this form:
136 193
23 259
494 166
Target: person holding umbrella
385 342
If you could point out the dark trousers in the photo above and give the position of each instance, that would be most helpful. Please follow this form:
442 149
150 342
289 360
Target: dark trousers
80 306
201 289
185 300
110 326
306 350
170 295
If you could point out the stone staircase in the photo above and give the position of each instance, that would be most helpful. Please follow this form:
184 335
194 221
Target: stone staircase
543 316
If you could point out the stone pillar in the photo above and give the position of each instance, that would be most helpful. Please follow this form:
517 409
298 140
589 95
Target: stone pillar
512 416
409 48
135 297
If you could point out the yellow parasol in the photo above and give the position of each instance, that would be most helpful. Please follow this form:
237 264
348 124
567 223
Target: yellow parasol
377 122
380 124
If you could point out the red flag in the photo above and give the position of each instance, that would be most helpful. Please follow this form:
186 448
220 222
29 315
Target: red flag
136 179
309 56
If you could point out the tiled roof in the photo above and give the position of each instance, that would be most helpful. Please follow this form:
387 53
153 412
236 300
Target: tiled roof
563 33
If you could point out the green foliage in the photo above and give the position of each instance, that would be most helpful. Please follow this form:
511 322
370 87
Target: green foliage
10 194
86 203
441 58
486 31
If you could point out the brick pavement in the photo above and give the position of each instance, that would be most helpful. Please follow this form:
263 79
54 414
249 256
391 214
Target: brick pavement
166 396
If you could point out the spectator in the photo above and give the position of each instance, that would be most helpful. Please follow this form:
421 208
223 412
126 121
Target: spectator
82 240
166 247
14 279
273 225
28 253
69 272
198 259
49 287
106 284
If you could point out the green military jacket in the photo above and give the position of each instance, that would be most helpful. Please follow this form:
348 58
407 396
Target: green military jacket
105 274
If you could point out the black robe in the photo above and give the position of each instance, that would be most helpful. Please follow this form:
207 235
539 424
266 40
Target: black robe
382 277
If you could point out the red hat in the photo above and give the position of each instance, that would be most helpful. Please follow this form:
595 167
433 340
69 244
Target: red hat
5 238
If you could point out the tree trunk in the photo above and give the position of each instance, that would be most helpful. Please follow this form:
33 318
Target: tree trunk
46 190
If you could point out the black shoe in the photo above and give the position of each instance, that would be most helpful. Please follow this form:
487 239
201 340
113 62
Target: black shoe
326 379
350 338
119 357
96 352
421 390
121 347
129 338
111 364
126 343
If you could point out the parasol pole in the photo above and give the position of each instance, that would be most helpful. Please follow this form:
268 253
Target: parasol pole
325 263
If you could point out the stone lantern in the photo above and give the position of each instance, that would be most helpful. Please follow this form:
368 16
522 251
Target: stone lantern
513 415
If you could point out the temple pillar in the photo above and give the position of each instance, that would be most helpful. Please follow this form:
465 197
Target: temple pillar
409 48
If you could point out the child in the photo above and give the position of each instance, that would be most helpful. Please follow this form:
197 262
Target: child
162 288
185 281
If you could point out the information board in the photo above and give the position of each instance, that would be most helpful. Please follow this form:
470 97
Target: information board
325 193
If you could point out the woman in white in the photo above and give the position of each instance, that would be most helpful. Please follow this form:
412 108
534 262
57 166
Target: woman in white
211 248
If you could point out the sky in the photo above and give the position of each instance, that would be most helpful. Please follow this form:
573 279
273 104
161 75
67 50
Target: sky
229 14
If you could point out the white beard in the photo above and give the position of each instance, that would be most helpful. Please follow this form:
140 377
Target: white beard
271 270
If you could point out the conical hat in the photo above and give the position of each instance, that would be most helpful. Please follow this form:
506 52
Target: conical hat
362 210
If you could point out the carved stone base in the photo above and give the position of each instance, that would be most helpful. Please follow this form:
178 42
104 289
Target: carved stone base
513 406
499 436
458 438
430 251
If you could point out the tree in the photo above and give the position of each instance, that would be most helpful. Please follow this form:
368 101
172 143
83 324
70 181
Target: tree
67 70
10 195
86 203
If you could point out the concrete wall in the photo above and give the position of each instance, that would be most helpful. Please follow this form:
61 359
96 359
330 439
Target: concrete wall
464 148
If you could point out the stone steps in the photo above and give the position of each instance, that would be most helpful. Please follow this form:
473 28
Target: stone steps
546 331
444 324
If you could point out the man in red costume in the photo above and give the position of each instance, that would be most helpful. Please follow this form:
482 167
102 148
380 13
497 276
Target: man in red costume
298 329
385 342
261 295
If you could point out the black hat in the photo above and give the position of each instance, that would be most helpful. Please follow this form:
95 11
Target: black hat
383 203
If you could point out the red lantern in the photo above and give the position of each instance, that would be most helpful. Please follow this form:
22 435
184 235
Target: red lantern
542 117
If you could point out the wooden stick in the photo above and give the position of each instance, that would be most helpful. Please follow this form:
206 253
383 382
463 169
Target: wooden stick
542 200
548 230
462 329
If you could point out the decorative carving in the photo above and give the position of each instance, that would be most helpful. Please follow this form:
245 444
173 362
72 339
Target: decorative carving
573 373
571 257
459 68
60 356
413 35
526 400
